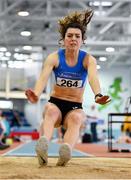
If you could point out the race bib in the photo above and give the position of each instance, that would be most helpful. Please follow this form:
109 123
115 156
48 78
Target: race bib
69 83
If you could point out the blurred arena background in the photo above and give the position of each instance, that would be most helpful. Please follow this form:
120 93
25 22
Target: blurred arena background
28 33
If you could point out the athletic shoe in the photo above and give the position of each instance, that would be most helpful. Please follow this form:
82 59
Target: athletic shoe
42 151
64 155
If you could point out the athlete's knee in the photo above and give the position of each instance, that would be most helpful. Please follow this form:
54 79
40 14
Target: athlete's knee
51 110
75 118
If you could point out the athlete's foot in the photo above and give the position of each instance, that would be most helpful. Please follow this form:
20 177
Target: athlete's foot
42 151
64 155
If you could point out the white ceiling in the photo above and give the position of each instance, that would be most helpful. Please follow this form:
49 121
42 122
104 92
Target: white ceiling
110 27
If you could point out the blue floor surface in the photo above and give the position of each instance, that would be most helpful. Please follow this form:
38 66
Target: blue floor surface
28 149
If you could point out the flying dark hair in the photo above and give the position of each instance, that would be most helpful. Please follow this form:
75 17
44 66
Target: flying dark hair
75 20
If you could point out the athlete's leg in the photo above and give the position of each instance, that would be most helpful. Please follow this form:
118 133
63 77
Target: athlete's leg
73 122
51 117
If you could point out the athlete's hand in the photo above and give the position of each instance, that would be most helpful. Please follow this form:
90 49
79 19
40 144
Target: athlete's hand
31 96
102 100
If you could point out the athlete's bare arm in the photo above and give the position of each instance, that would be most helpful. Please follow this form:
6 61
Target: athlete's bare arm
48 66
50 62
90 64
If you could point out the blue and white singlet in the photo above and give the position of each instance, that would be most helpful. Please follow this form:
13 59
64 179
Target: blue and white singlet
67 76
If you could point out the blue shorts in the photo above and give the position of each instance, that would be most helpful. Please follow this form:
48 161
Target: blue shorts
1 131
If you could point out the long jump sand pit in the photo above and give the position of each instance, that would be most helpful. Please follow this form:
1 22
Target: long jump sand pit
78 168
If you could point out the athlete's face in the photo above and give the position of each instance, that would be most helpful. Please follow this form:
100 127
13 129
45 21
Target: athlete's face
73 38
